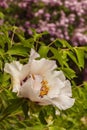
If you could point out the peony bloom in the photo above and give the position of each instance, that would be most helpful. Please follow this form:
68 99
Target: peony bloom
40 82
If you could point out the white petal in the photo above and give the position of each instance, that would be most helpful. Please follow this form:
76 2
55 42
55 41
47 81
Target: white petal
44 102
58 84
26 91
16 85
63 102
18 72
31 89
25 71
42 66
67 89
13 68
54 75
33 55
55 83
37 83
59 74
55 87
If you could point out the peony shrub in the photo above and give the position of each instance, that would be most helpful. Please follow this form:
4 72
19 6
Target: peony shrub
38 85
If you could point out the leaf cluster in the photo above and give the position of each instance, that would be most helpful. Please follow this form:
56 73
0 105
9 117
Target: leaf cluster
23 114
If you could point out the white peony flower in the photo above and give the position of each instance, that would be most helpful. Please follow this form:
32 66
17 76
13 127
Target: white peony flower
40 82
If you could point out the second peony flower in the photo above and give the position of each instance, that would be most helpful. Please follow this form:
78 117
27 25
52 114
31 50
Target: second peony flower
39 81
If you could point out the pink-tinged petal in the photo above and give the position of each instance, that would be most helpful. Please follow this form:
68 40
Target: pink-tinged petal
33 55
63 102
42 66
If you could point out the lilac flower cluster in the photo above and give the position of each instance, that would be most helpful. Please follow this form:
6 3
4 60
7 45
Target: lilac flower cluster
3 4
65 19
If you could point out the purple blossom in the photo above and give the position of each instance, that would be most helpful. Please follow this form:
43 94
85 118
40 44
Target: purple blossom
53 17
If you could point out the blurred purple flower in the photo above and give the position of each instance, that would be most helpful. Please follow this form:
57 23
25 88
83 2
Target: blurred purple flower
61 18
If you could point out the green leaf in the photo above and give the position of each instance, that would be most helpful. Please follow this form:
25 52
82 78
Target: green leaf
43 50
1 52
56 128
18 50
37 127
57 43
65 43
37 36
4 79
3 100
2 40
69 73
73 57
42 116
57 55
25 108
5 40
16 103
80 56
1 64
65 58
26 42
1 15
84 48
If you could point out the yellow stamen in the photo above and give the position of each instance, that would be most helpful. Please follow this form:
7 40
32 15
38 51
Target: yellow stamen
44 89
33 77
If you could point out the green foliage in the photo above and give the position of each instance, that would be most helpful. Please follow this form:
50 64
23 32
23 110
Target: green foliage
18 113
80 56
1 15
43 50
18 50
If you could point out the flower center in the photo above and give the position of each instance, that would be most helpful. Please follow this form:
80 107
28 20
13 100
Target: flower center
44 89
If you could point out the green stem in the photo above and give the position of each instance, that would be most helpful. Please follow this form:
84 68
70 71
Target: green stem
52 42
